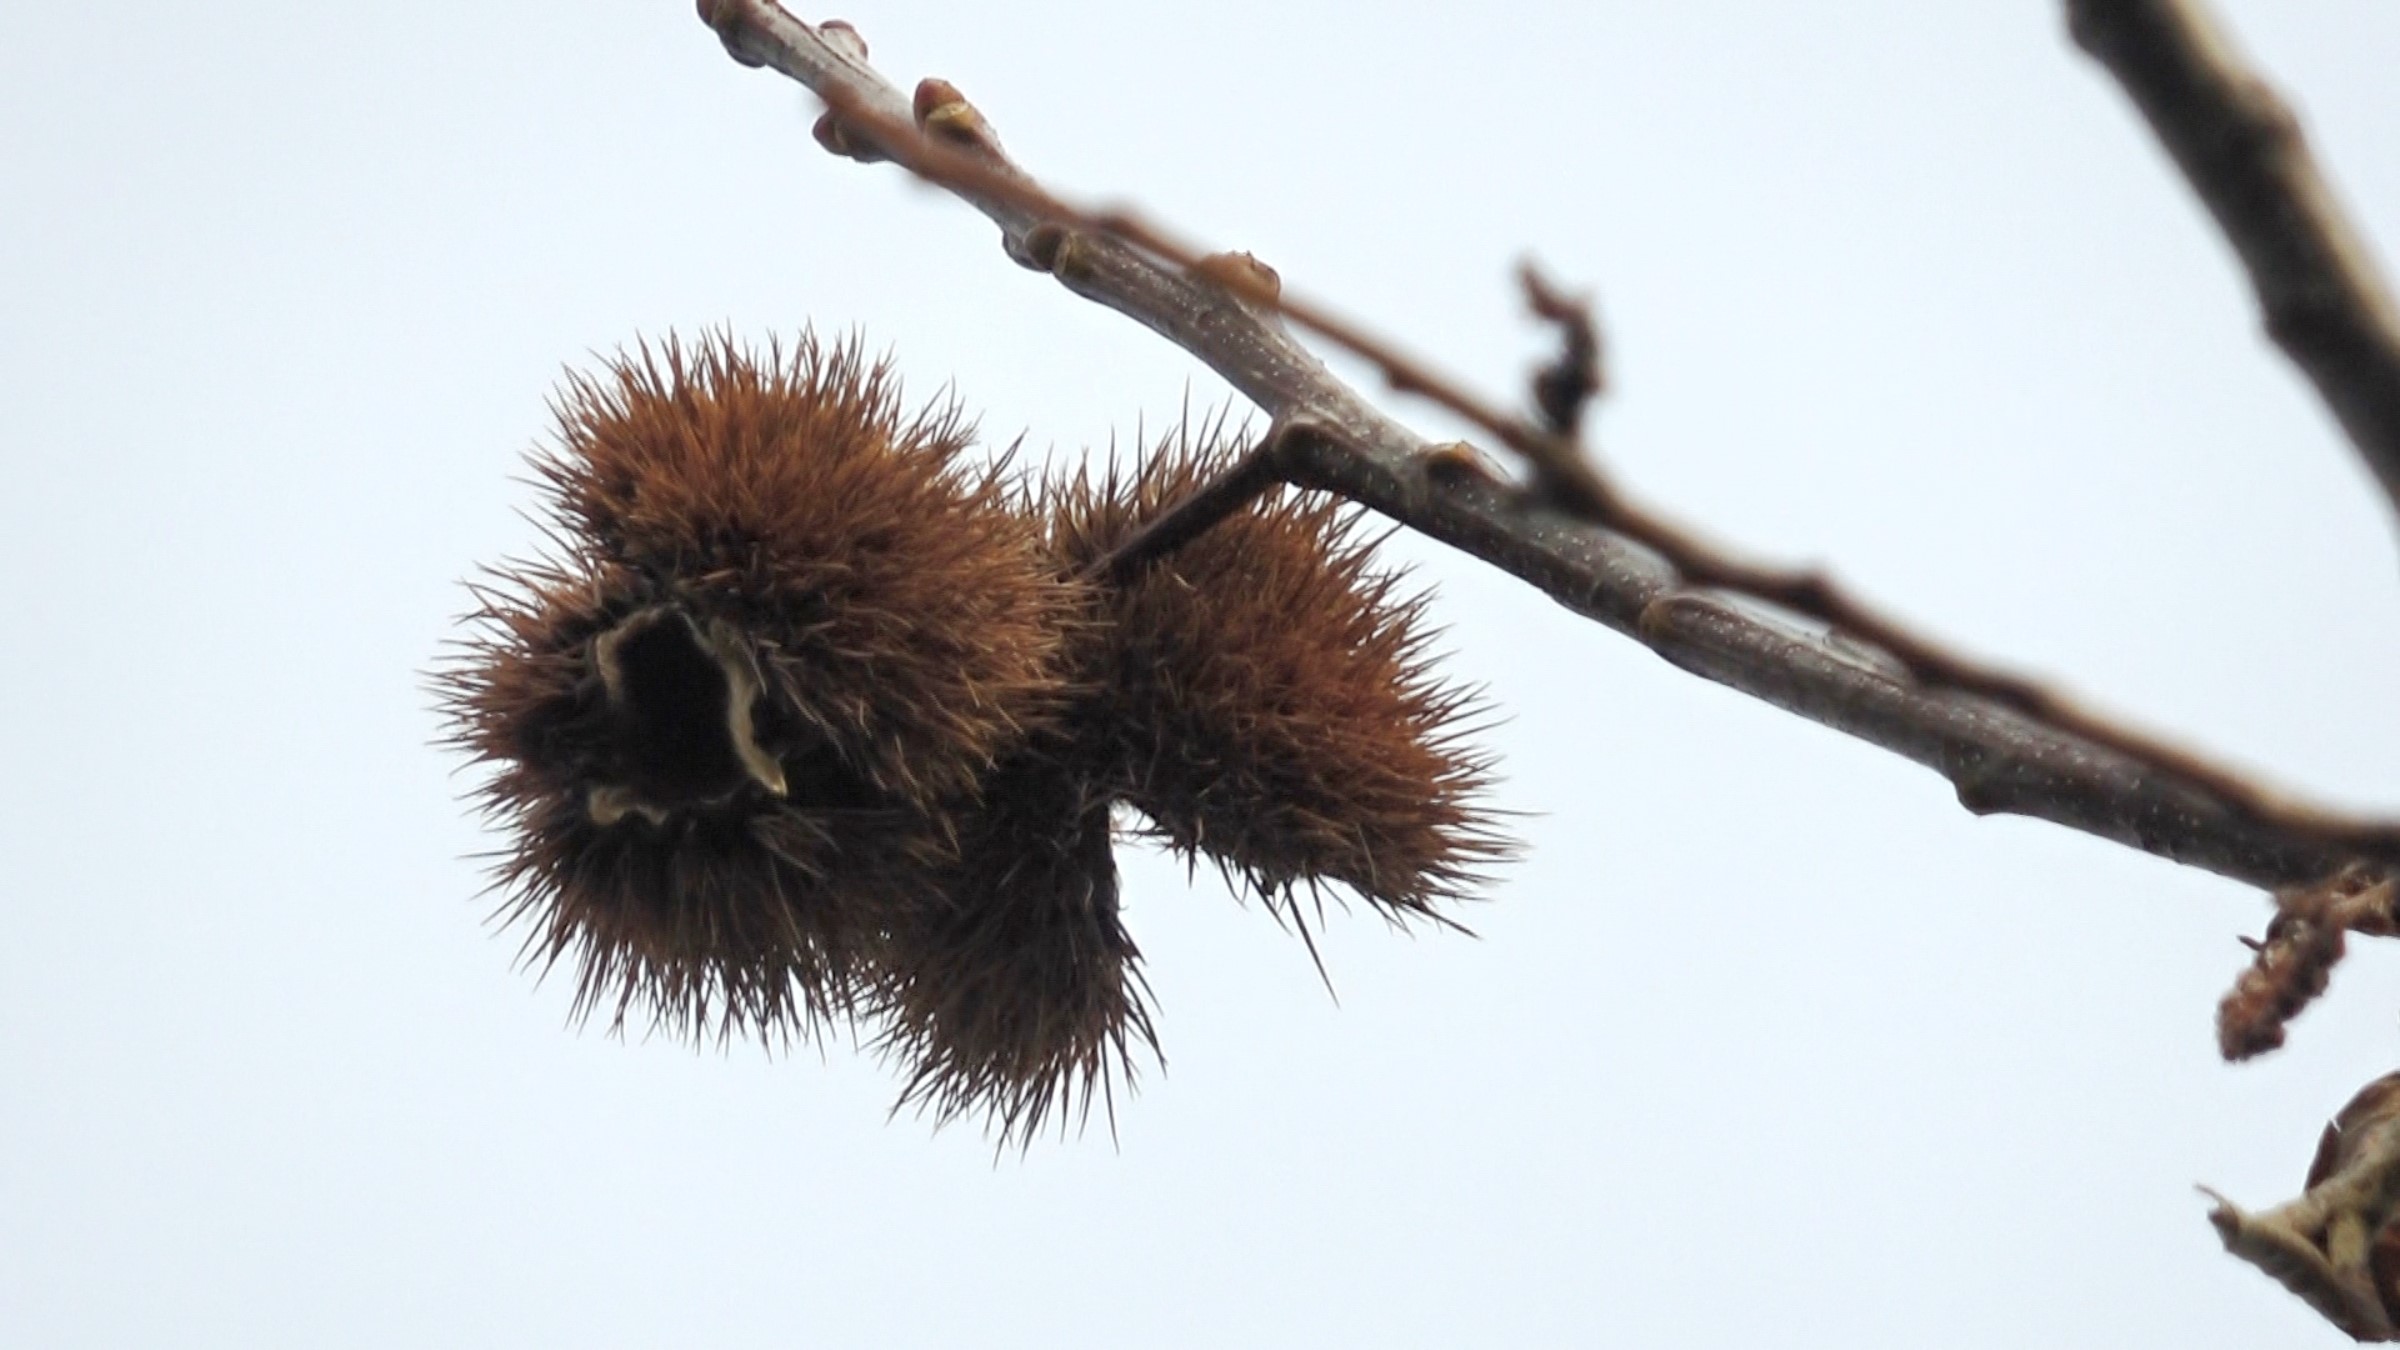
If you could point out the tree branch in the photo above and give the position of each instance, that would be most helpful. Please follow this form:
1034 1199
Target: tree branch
2007 745
2241 147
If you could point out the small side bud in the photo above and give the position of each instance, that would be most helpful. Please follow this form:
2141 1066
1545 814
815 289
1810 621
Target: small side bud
1457 462
840 36
836 137
944 114
1041 246
1243 274
726 17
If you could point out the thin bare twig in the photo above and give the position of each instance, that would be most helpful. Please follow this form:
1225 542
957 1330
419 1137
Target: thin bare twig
2241 148
1821 597
870 120
1563 390
2006 744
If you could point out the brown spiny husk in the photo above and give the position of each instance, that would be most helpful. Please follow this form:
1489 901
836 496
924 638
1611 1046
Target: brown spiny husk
789 634
1266 696
904 611
1018 993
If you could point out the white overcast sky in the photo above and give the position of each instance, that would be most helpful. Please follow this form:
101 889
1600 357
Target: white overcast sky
1765 1043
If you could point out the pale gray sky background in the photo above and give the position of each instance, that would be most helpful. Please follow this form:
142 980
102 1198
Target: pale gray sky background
1766 1043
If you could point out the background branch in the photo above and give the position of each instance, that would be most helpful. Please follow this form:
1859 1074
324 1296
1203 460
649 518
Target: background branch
2241 147
2006 747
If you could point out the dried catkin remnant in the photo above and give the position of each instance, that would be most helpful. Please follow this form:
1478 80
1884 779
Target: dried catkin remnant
1267 697
2292 965
790 634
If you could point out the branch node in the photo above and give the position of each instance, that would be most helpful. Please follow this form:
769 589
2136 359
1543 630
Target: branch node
1654 624
1978 792
1065 254
1038 248
836 137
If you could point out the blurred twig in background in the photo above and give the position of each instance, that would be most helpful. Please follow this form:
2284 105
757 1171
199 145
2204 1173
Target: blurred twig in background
2241 147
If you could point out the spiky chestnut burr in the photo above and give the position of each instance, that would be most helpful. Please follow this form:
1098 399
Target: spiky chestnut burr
1265 694
906 614
1018 994
1259 690
790 635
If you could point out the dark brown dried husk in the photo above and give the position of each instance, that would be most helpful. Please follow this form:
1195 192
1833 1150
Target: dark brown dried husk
2349 1130
904 611
900 621
747 916
1268 696
1018 994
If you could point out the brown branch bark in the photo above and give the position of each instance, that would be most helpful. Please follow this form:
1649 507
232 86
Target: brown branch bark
2006 745
2241 147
